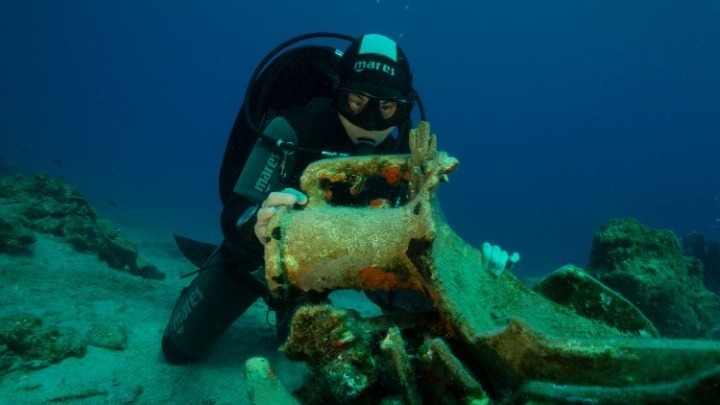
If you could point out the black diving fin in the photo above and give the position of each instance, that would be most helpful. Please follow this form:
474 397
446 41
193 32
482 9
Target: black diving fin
195 251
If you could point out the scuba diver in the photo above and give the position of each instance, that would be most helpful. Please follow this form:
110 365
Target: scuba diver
301 105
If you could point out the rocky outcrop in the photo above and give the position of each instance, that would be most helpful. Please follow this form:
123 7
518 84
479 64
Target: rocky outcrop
647 267
44 205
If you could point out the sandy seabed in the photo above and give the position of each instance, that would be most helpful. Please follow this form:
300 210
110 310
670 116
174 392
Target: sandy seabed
70 289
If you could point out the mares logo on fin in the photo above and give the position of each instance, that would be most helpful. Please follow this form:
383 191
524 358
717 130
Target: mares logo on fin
187 306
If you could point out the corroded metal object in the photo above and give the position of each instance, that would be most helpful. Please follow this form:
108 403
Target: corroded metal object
514 342
327 247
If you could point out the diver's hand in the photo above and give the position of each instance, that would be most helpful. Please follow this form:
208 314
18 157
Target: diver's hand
495 260
287 197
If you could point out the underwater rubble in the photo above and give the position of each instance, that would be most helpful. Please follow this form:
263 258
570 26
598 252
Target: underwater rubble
28 344
577 336
44 205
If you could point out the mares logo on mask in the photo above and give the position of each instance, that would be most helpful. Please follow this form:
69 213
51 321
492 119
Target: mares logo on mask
363 65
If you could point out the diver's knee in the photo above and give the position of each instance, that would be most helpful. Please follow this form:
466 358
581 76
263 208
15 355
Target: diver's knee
172 353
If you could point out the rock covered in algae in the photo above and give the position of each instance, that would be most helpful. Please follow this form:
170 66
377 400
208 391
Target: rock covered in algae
31 344
108 335
14 237
647 267
44 205
336 345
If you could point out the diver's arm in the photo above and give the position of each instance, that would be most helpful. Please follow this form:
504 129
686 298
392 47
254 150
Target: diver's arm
237 227
265 168
239 237
237 151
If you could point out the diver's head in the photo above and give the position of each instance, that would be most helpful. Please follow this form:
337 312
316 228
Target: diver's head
374 85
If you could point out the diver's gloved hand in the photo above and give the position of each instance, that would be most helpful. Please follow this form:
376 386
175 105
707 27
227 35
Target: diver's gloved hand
287 197
495 260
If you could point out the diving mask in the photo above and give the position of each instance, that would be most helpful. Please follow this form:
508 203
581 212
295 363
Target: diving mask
372 113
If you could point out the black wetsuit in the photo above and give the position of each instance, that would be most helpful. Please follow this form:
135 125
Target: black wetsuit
318 128
221 293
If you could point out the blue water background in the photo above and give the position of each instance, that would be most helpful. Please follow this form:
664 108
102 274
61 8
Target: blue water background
564 114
